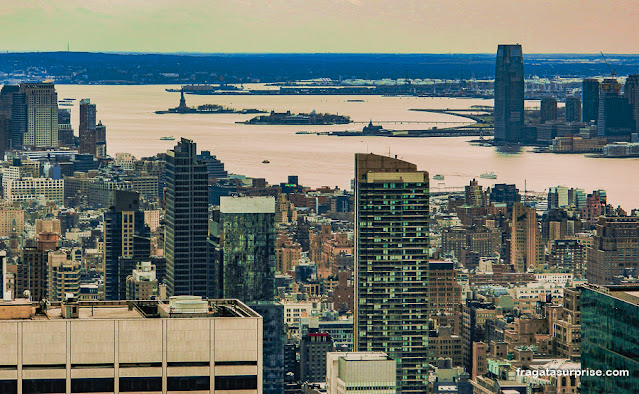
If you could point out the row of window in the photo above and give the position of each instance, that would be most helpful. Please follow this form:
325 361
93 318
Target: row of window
130 384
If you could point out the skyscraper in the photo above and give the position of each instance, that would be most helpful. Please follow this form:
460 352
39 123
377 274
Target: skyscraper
246 263
610 338
65 130
526 248
509 93
391 265
615 119
631 92
590 99
87 127
126 242
548 110
187 268
42 115
573 109
614 250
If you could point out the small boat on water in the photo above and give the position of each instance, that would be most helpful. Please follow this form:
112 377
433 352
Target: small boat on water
488 175
438 177
168 138
265 161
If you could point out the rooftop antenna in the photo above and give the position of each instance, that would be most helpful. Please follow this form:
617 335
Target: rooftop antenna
612 72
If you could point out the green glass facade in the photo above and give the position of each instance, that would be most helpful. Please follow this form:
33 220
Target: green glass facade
610 338
392 265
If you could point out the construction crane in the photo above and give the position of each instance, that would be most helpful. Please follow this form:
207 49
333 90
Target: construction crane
612 72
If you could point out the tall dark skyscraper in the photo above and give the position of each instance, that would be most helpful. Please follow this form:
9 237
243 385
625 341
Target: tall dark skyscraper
509 93
126 242
88 114
631 92
615 121
573 109
391 265
548 109
13 108
187 268
246 264
590 99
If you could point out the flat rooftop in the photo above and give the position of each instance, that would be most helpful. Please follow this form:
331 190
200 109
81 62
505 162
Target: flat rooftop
176 307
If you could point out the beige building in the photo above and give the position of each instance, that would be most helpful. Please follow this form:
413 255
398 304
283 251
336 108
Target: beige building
142 284
11 219
63 276
42 114
48 226
152 219
187 344
360 372
27 189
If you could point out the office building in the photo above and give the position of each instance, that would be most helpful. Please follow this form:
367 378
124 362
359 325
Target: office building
391 264
126 242
474 195
11 221
63 276
313 349
615 250
246 264
590 100
573 109
526 248
142 284
42 115
509 93
615 118
610 337
87 127
32 271
65 130
186 344
506 194
35 189
548 110
13 117
357 372
631 93
186 228
445 291
214 167
274 337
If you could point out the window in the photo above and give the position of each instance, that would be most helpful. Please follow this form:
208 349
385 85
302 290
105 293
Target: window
92 385
32 386
128 385
241 382
188 383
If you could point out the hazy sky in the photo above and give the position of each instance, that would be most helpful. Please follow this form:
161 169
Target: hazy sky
419 26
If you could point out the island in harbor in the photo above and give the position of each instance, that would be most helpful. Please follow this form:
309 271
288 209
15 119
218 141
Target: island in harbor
287 118
206 109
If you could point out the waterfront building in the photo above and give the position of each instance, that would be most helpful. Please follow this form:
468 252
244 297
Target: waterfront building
126 242
509 93
631 93
65 130
42 115
548 111
186 344
610 337
214 167
590 100
391 264
615 117
357 372
86 130
526 248
503 193
187 267
573 109
246 242
615 250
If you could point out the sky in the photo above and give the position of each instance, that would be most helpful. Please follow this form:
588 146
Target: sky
316 26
